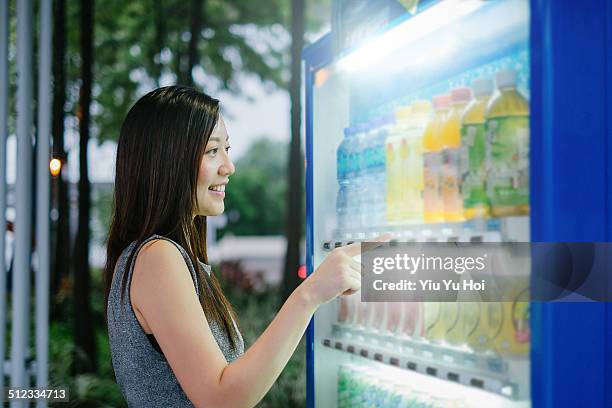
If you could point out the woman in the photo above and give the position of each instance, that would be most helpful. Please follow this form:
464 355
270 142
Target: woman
173 337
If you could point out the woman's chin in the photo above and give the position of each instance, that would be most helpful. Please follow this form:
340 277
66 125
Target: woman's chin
213 210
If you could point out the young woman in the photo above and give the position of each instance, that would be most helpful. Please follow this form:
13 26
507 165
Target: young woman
173 337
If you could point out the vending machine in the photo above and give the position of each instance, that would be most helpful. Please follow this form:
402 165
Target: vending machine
460 121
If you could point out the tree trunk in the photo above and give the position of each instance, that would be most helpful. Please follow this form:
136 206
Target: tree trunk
62 231
160 34
84 335
294 214
195 30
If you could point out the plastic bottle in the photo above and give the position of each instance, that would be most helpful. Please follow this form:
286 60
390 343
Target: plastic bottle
512 279
411 203
451 153
435 330
379 171
473 149
342 157
450 314
489 321
368 178
394 166
432 160
508 154
394 317
413 319
353 178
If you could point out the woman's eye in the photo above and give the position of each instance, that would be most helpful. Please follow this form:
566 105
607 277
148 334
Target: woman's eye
212 152
227 149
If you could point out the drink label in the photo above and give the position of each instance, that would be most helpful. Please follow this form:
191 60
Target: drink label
508 161
453 202
472 162
432 163
412 202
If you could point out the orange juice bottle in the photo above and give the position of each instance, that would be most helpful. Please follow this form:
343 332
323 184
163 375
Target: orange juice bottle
473 148
433 210
508 154
451 152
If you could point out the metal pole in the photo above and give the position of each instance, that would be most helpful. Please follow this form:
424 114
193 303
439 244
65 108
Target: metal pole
42 205
23 202
4 40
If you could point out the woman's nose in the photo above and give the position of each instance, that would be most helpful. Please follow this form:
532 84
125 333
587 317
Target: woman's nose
227 168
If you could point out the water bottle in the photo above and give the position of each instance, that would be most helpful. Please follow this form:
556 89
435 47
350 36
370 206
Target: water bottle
368 179
342 173
354 178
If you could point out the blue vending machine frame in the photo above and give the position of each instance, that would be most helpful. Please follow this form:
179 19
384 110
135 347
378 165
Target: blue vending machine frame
570 193
571 197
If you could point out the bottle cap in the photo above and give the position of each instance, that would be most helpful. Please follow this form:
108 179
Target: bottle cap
461 95
482 86
441 101
505 78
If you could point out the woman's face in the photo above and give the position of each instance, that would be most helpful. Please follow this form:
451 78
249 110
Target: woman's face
214 172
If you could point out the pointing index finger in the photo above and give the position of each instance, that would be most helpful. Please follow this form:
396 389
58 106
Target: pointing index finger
360 247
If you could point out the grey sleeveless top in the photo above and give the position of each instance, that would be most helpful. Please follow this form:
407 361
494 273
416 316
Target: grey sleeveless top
141 370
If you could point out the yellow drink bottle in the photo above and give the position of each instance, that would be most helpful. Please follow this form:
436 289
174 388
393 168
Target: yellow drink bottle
451 314
473 151
434 327
451 151
394 152
514 334
487 326
512 271
508 151
432 160
411 200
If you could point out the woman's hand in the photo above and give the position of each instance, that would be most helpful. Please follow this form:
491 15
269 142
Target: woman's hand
339 274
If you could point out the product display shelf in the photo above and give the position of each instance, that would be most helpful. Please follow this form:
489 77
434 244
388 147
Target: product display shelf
484 370
506 229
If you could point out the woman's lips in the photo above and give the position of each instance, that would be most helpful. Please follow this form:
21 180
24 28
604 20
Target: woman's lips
217 193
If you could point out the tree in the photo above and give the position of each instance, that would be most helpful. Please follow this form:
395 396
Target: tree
194 38
294 227
133 55
140 45
62 251
84 338
255 195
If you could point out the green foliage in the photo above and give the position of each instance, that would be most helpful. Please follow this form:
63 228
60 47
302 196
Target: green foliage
103 207
98 389
255 195
138 47
255 311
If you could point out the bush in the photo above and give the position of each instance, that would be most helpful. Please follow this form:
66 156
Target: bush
255 311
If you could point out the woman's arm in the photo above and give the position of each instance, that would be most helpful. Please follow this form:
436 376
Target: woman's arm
162 291
253 373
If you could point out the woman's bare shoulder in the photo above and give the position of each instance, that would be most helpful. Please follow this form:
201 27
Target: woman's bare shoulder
159 266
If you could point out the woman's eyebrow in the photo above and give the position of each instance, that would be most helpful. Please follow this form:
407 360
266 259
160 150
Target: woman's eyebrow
216 139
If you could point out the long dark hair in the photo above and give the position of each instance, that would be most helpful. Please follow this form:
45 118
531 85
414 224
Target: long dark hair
159 152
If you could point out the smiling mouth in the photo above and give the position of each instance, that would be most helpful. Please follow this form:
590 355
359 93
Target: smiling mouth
217 188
